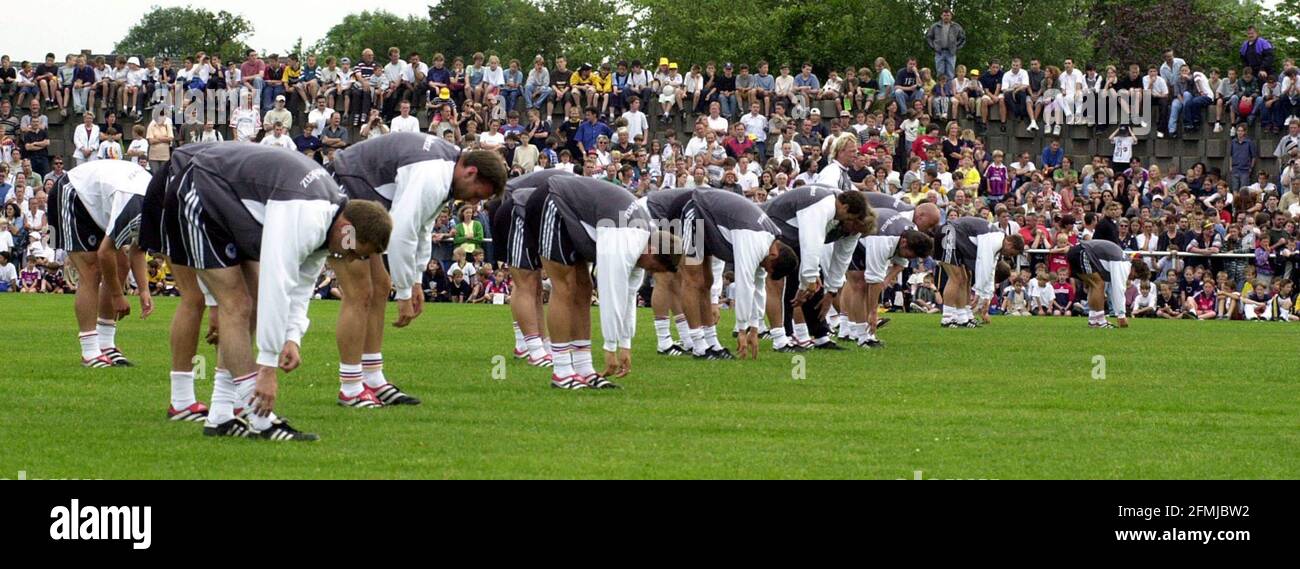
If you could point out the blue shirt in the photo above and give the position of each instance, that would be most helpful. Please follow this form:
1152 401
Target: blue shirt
811 81
1053 159
1244 153
588 132
439 75
765 82
516 77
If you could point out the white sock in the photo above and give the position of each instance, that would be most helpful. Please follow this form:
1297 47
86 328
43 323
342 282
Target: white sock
698 346
949 313
860 331
89 345
350 380
582 358
684 332
107 330
244 395
519 339
223 398
822 341
711 336
779 340
182 389
546 343
663 332
961 315
562 359
1096 316
843 320
372 367
801 333
536 349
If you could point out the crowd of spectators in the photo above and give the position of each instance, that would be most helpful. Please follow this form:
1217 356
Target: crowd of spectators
754 128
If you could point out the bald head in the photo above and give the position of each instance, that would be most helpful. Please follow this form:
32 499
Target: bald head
926 217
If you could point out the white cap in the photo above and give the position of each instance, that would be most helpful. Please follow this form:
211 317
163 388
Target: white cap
133 61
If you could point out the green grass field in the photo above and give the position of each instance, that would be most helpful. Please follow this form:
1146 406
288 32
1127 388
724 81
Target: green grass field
1014 400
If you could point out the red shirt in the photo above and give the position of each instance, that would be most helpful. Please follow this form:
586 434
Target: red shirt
1205 301
249 69
922 144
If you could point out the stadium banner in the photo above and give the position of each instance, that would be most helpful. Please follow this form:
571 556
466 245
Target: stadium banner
114 519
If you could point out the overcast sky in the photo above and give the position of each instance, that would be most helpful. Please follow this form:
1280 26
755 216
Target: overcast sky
104 22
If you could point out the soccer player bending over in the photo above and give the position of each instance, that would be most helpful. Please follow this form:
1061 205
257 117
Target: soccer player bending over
1099 263
195 299
256 224
94 214
874 264
578 221
413 176
721 226
513 249
970 247
882 255
817 222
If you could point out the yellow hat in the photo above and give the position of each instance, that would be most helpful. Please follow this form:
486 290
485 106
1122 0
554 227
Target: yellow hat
663 61
672 66
444 93
975 73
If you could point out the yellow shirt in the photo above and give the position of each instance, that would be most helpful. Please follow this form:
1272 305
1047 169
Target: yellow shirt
971 182
577 79
603 84
290 74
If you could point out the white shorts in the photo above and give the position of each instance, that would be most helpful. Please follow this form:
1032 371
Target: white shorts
878 257
208 300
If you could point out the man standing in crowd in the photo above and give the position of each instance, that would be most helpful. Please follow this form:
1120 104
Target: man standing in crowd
946 38
1257 53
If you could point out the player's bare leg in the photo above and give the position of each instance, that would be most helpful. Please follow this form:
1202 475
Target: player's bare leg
528 310
565 309
86 307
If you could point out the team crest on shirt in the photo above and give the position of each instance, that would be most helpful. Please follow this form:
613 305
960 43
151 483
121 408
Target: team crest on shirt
231 251
93 241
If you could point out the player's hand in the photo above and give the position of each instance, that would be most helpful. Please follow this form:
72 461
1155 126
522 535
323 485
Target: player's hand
806 293
624 362
121 308
264 392
1123 322
146 304
417 300
611 364
747 344
405 313
289 357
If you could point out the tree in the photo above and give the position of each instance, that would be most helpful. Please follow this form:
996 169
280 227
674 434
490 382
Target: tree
377 30
181 31
1205 33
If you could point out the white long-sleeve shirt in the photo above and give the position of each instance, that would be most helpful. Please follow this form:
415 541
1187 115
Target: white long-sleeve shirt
410 174
87 143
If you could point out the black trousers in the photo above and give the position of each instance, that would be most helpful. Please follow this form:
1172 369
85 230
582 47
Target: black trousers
811 314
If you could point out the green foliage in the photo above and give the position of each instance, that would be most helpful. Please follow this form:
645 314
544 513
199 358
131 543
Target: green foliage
828 33
181 31
377 30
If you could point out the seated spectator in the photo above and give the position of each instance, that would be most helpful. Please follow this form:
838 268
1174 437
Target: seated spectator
8 275
435 284
1205 304
459 290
